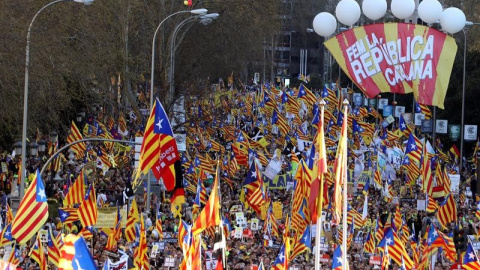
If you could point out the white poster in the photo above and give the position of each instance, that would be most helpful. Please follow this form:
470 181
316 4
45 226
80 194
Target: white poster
181 140
254 224
383 102
273 168
399 110
421 205
418 119
455 182
238 232
122 264
470 133
441 126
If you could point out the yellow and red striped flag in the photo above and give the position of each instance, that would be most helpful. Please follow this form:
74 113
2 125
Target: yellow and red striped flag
340 168
52 249
133 218
159 148
76 193
210 215
140 255
447 211
9 215
74 254
32 213
88 212
158 224
37 254
76 135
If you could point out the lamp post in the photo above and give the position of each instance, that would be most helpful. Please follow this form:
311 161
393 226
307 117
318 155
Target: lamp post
204 19
25 93
201 11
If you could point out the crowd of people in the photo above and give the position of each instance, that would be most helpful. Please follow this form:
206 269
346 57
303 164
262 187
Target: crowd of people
215 124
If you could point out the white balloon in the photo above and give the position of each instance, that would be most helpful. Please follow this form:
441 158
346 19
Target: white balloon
374 9
348 12
324 24
430 11
453 20
403 9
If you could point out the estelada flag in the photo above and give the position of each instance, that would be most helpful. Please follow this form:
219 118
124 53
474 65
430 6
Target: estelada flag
32 213
397 58
159 148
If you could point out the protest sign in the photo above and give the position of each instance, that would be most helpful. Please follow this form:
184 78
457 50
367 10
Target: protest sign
108 215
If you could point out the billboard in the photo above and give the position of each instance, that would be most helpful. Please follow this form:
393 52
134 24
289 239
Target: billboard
397 58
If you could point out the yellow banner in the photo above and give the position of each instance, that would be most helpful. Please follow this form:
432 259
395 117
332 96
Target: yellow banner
108 215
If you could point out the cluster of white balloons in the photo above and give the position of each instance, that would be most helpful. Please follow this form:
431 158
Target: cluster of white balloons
348 12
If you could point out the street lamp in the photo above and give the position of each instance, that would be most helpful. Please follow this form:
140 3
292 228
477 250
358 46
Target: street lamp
200 11
25 92
42 145
17 147
204 19
33 149
53 137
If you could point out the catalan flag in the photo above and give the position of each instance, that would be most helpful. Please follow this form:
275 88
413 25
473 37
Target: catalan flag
133 218
369 245
337 262
210 214
76 135
421 108
6 235
454 153
37 254
68 215
76 193
253 184
436 238
159 149
303 244
9 215
470 260
32 213
88 209
396 249
74 254
447 211
140 256
283 258
340 169
14 256
52 249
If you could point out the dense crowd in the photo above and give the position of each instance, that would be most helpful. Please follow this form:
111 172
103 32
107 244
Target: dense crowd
248 250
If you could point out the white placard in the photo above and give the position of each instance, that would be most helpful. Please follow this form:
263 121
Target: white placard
399 110
181 140
421 205
383 102
273 168
441 126
238 232
239 218
470 133
455 182
169 262
418 119
254 224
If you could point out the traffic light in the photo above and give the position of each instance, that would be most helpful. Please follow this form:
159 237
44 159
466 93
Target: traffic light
460 240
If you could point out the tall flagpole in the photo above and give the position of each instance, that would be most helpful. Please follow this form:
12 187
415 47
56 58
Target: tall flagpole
320 202
345 193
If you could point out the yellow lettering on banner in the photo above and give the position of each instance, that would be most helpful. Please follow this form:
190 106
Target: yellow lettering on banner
108 215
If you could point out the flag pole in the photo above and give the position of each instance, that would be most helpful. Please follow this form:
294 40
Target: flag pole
345 193
320 198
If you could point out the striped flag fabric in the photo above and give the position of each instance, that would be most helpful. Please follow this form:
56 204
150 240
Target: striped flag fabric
447 211
6 235
304 244
438 239
159 149
432 204
9 215
88 212
369 245
283 258
14 256
140 255
32 212
133 218
340 168
421 108
210 214
68 214
75 254
396 249
52 249
76 135
470 260
38 255
76 193
337 262
253 185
